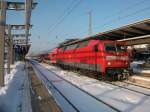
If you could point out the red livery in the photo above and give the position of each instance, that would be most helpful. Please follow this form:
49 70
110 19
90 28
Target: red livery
107 57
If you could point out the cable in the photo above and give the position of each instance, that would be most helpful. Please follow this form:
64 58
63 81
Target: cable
120 12
65 11
125 16
66 15
126 9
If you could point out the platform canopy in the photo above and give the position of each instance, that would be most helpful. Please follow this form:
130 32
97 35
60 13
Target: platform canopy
137 29
132 34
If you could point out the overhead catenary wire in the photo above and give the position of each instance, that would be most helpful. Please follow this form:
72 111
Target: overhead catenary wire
124 16
118 18
63 14
129 7
69 11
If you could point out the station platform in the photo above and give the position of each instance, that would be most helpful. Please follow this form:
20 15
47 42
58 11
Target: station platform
140 80
141 73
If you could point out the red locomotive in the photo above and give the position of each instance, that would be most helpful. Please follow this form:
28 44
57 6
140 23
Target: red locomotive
106 57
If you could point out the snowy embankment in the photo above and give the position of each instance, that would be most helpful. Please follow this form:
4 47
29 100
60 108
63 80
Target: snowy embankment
12 94
136 67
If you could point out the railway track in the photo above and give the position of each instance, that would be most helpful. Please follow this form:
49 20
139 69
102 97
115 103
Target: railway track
63 95
126 86
73 106
135 84
123 84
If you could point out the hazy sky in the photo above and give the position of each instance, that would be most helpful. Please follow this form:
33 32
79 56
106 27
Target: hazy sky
56 20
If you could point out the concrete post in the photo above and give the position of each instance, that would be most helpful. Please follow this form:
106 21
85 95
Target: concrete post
2 39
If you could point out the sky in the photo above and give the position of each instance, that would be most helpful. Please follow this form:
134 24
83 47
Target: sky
56 20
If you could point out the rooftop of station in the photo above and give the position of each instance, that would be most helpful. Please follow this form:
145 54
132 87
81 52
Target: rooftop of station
137 29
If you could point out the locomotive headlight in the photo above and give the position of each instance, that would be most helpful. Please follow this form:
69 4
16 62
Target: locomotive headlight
109 63
126 63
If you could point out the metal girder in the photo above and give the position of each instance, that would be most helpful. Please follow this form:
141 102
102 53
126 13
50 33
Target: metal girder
138 41
147 24
141 30
17 6
19 35
108 36
17 27
20 40
130 33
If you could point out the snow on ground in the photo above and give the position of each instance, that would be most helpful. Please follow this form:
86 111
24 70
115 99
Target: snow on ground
11 95
135 66
124 100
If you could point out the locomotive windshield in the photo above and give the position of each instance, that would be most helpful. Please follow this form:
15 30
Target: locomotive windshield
115 47
120 48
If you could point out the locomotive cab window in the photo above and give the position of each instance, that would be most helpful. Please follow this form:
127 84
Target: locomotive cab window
64 48
83 44
121 48
110 47
115 48
73 46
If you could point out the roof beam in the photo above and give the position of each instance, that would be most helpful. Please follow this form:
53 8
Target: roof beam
17 27
138 41
147 24
130 33
20 35
110 37
114 36
117 34
141 30
19 6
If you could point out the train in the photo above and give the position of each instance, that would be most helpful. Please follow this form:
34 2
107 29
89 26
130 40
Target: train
108 58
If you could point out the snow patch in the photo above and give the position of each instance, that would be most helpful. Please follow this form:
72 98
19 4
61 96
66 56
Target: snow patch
11 93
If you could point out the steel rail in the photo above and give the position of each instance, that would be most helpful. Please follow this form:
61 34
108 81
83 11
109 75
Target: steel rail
136 85
56 88
126 88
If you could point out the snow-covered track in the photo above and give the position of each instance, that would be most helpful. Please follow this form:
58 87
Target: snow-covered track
56 88
138 85
93 100
126 85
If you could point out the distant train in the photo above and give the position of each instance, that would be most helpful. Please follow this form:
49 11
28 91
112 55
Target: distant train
108 58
